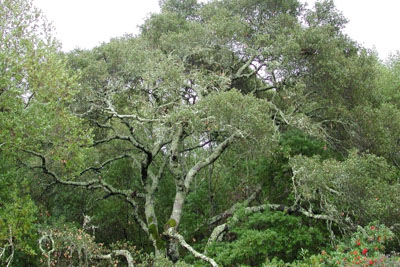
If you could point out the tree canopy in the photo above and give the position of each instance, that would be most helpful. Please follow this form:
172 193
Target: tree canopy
233 132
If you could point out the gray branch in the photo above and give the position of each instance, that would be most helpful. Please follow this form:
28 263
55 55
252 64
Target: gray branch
239 74
172 233
174 157
130 139
105 163
209 160
112 110
109 139
229 212
93 184
116 253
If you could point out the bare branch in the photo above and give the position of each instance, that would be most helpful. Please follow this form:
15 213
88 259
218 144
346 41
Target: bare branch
81 115
156 178
333 191
229 212
174 161
130 139
265 88
159 145
209 160
105 163
239 74
196 147
9 245
184 244
111 109
217 234
219 231
165 106
289 210
184 186
109 139
116 253
317 216
101 125
28 96
93 185
47 253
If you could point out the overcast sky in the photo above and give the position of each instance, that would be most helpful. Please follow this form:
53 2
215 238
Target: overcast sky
87 23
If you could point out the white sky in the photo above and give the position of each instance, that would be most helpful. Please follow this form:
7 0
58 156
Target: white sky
87 23
373 23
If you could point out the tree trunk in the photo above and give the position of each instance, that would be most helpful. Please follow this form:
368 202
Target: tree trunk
154 235
173 244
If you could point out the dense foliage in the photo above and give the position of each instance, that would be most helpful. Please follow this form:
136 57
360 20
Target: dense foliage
231 133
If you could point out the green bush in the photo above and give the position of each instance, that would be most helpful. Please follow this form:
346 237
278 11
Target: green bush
366 247
267 235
